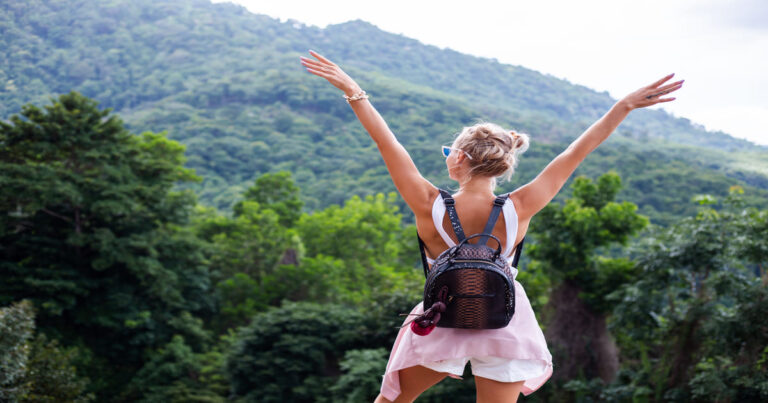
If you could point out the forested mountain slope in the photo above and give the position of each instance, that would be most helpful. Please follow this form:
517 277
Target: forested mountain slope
227 83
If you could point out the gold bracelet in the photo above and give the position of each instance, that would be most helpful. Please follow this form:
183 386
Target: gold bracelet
356 97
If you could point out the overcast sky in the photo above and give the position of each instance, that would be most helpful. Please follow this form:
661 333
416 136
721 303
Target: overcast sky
720 47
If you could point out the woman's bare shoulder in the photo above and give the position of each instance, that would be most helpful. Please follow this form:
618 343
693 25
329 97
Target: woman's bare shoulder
516 197
424 209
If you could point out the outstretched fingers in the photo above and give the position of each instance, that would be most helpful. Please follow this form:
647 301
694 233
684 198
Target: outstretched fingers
666 89
671 87
316 72
666 99
320 57
661 81
652 94
311 64
314 67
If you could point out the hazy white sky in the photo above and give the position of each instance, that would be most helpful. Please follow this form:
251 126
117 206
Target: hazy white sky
720 47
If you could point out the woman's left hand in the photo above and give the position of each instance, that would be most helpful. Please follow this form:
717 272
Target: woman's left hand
334 74
652 94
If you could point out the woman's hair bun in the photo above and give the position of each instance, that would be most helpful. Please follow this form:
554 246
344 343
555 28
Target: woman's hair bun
495 151
521 140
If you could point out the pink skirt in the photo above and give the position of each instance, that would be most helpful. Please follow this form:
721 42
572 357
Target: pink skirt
521 339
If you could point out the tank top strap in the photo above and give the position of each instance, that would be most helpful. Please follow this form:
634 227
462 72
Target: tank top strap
438 213
510 220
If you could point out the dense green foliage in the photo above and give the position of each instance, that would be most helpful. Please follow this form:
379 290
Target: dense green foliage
33 368
367 242
289 353
568 235
278 193
143 295
692 326
17 324
566 240
93 234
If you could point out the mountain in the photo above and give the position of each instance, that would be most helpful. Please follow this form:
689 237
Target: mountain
227 83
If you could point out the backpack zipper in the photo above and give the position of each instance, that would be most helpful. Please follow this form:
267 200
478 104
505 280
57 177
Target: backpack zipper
471 261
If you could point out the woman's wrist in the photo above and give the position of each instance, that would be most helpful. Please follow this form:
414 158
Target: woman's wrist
360 95
624 105
352 90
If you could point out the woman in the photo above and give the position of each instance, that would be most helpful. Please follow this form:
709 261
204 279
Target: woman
504 361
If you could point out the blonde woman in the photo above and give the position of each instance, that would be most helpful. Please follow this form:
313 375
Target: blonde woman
506 361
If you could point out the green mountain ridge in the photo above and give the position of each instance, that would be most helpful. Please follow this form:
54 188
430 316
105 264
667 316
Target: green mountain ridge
513 86
228 85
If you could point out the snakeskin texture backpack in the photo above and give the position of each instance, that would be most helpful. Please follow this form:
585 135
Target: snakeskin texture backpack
470 285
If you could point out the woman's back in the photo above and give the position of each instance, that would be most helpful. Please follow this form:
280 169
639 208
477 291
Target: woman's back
473 211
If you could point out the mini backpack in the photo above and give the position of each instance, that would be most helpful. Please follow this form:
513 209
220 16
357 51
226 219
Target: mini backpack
470 285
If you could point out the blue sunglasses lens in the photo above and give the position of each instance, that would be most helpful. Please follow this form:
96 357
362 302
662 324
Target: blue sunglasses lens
446 151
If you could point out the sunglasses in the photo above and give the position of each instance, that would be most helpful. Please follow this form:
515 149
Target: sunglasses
447 151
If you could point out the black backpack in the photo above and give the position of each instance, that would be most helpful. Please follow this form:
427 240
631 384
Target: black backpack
470 285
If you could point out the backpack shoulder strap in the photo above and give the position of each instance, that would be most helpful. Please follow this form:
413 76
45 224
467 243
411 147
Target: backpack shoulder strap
497 205
518 251
423 255
449 207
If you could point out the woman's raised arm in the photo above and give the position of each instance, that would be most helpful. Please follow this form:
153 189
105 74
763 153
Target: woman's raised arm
535 195
414 188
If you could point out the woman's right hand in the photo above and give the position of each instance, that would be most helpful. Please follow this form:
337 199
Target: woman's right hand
651 94
330 71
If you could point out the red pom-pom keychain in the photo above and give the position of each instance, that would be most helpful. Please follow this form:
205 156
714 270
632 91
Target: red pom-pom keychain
416 325
425 323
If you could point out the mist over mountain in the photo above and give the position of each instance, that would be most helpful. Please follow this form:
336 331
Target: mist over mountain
227 83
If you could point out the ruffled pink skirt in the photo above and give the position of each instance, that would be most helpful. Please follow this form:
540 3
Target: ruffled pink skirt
521 339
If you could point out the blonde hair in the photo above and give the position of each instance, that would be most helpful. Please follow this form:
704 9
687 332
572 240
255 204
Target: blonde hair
495 151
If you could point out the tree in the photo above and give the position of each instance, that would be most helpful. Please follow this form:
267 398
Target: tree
33 368
245 254
17 325
292 353
692 326
52 375
175 373
93 234
252 242
278 193
567 238
361 375
368 238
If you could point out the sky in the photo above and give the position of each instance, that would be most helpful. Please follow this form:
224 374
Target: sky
720 47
